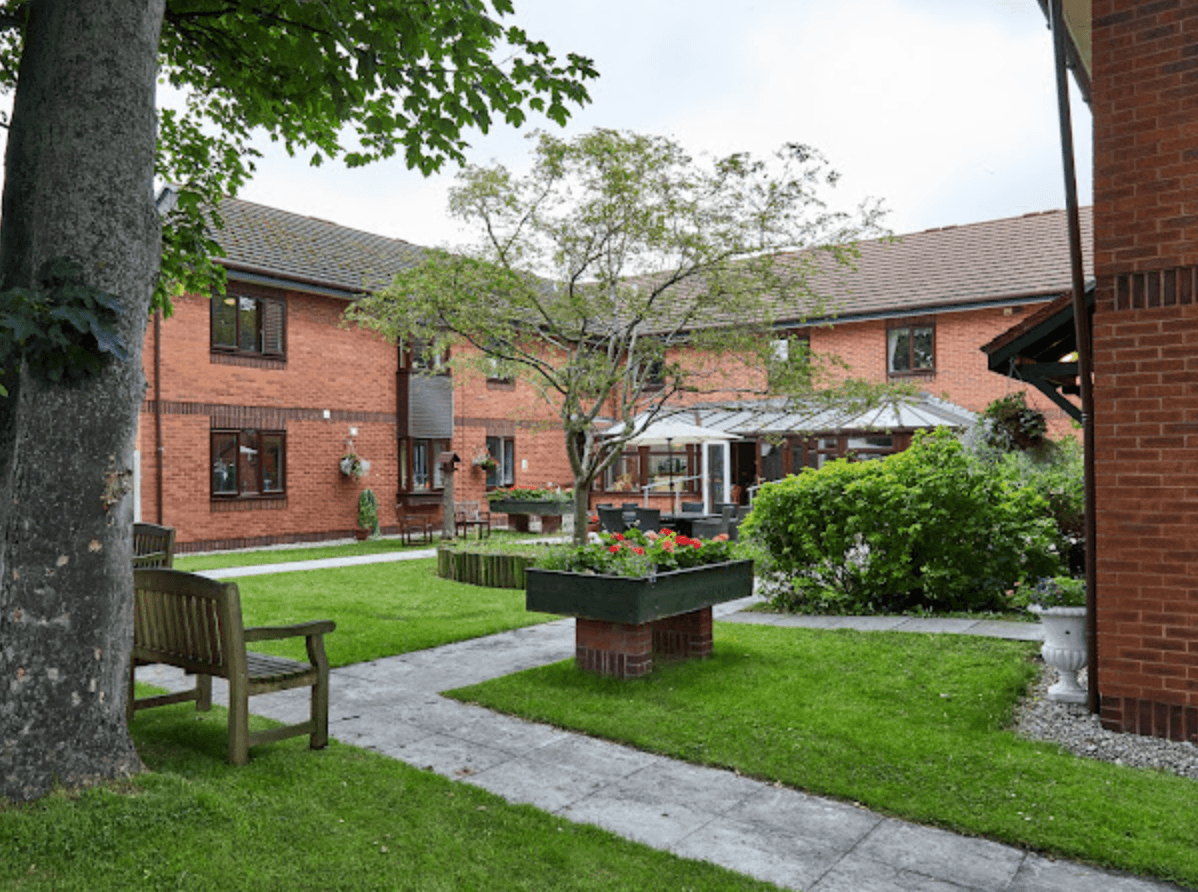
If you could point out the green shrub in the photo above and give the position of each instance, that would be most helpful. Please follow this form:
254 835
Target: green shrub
925 529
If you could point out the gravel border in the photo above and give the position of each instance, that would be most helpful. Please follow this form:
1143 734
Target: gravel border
1073 727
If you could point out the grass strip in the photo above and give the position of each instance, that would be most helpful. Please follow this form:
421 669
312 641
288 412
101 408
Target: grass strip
380 609
337 820
907 724
220 560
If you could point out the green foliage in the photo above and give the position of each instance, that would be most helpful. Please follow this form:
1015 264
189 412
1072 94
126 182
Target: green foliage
1058 591
530 494
636 553
64 329
368 512
1055 472
621 272
359 79
927 529
1012 425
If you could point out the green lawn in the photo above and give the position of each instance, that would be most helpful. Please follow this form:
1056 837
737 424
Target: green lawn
338 820
220 560
911 725
380 609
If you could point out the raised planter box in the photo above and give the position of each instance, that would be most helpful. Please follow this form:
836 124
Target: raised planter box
623 622
635 600
519 510
482 568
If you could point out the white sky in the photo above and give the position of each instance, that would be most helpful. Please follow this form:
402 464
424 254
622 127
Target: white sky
944 109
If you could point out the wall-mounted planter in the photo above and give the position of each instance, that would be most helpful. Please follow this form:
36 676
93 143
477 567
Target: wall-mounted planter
636 600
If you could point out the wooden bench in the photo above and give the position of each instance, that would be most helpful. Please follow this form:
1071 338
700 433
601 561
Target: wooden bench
416 525
194 623
153 546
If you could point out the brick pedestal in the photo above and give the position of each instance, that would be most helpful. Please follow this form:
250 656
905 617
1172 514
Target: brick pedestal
622 650
616 649
685 635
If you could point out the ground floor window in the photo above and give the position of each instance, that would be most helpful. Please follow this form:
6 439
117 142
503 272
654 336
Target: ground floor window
657 467
247 463
503 450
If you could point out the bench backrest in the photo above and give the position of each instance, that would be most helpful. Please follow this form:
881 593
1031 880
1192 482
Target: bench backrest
153 545
189 621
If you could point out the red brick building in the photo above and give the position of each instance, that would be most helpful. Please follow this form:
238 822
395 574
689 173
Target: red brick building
255 397
1136 64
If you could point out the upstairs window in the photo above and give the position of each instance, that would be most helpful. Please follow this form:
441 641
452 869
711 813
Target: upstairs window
503 450
792 357
911 349
249 326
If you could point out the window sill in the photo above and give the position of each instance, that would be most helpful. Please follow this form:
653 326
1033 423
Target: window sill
917 373
248 360
249 503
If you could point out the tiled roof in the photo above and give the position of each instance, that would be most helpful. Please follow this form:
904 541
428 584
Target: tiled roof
934 269
290 246
959 265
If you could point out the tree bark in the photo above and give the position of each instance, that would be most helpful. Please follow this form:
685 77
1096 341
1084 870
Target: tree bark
78 183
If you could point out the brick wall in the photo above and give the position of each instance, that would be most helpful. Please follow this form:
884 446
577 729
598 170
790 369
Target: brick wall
1145 108
346 372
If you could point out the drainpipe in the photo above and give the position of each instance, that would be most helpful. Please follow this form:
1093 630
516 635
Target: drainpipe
158 448
1081 322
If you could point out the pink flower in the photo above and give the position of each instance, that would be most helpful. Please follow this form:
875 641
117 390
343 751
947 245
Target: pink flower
722 537
636 549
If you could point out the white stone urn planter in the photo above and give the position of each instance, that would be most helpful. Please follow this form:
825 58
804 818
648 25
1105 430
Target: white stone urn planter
1065 649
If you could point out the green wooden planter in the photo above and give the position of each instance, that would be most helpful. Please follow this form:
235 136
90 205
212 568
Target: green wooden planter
634 600
539 508
482 568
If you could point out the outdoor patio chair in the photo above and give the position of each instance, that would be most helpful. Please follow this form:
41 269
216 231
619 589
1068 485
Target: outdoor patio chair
648 519
612 520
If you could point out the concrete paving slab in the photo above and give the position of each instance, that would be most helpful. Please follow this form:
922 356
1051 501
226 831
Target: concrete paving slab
784 859
935 625
1038 874
1014 631
596 758
967 861
530 781
660 825
708 791
858 874
779 809
448 756
871 623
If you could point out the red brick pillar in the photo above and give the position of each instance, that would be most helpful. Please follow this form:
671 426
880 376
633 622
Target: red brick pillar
1145 360
685 635
616 649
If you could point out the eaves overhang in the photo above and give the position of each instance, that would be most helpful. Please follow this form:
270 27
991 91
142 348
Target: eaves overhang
1078 43
241 273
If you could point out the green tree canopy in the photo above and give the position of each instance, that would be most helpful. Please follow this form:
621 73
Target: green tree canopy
355 79
621 274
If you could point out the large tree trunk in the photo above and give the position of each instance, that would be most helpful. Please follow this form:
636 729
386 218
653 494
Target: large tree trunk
78 183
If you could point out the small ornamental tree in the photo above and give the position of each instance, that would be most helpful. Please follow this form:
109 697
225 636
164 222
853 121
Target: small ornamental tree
621 274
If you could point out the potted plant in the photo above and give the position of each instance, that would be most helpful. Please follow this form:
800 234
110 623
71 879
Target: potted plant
354 466
486 461
1060 602
519 502
368 515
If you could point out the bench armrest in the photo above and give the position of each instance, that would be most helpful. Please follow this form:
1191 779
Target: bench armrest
268 633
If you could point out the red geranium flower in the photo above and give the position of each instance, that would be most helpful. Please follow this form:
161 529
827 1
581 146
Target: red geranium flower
619 537
614 548
636 549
